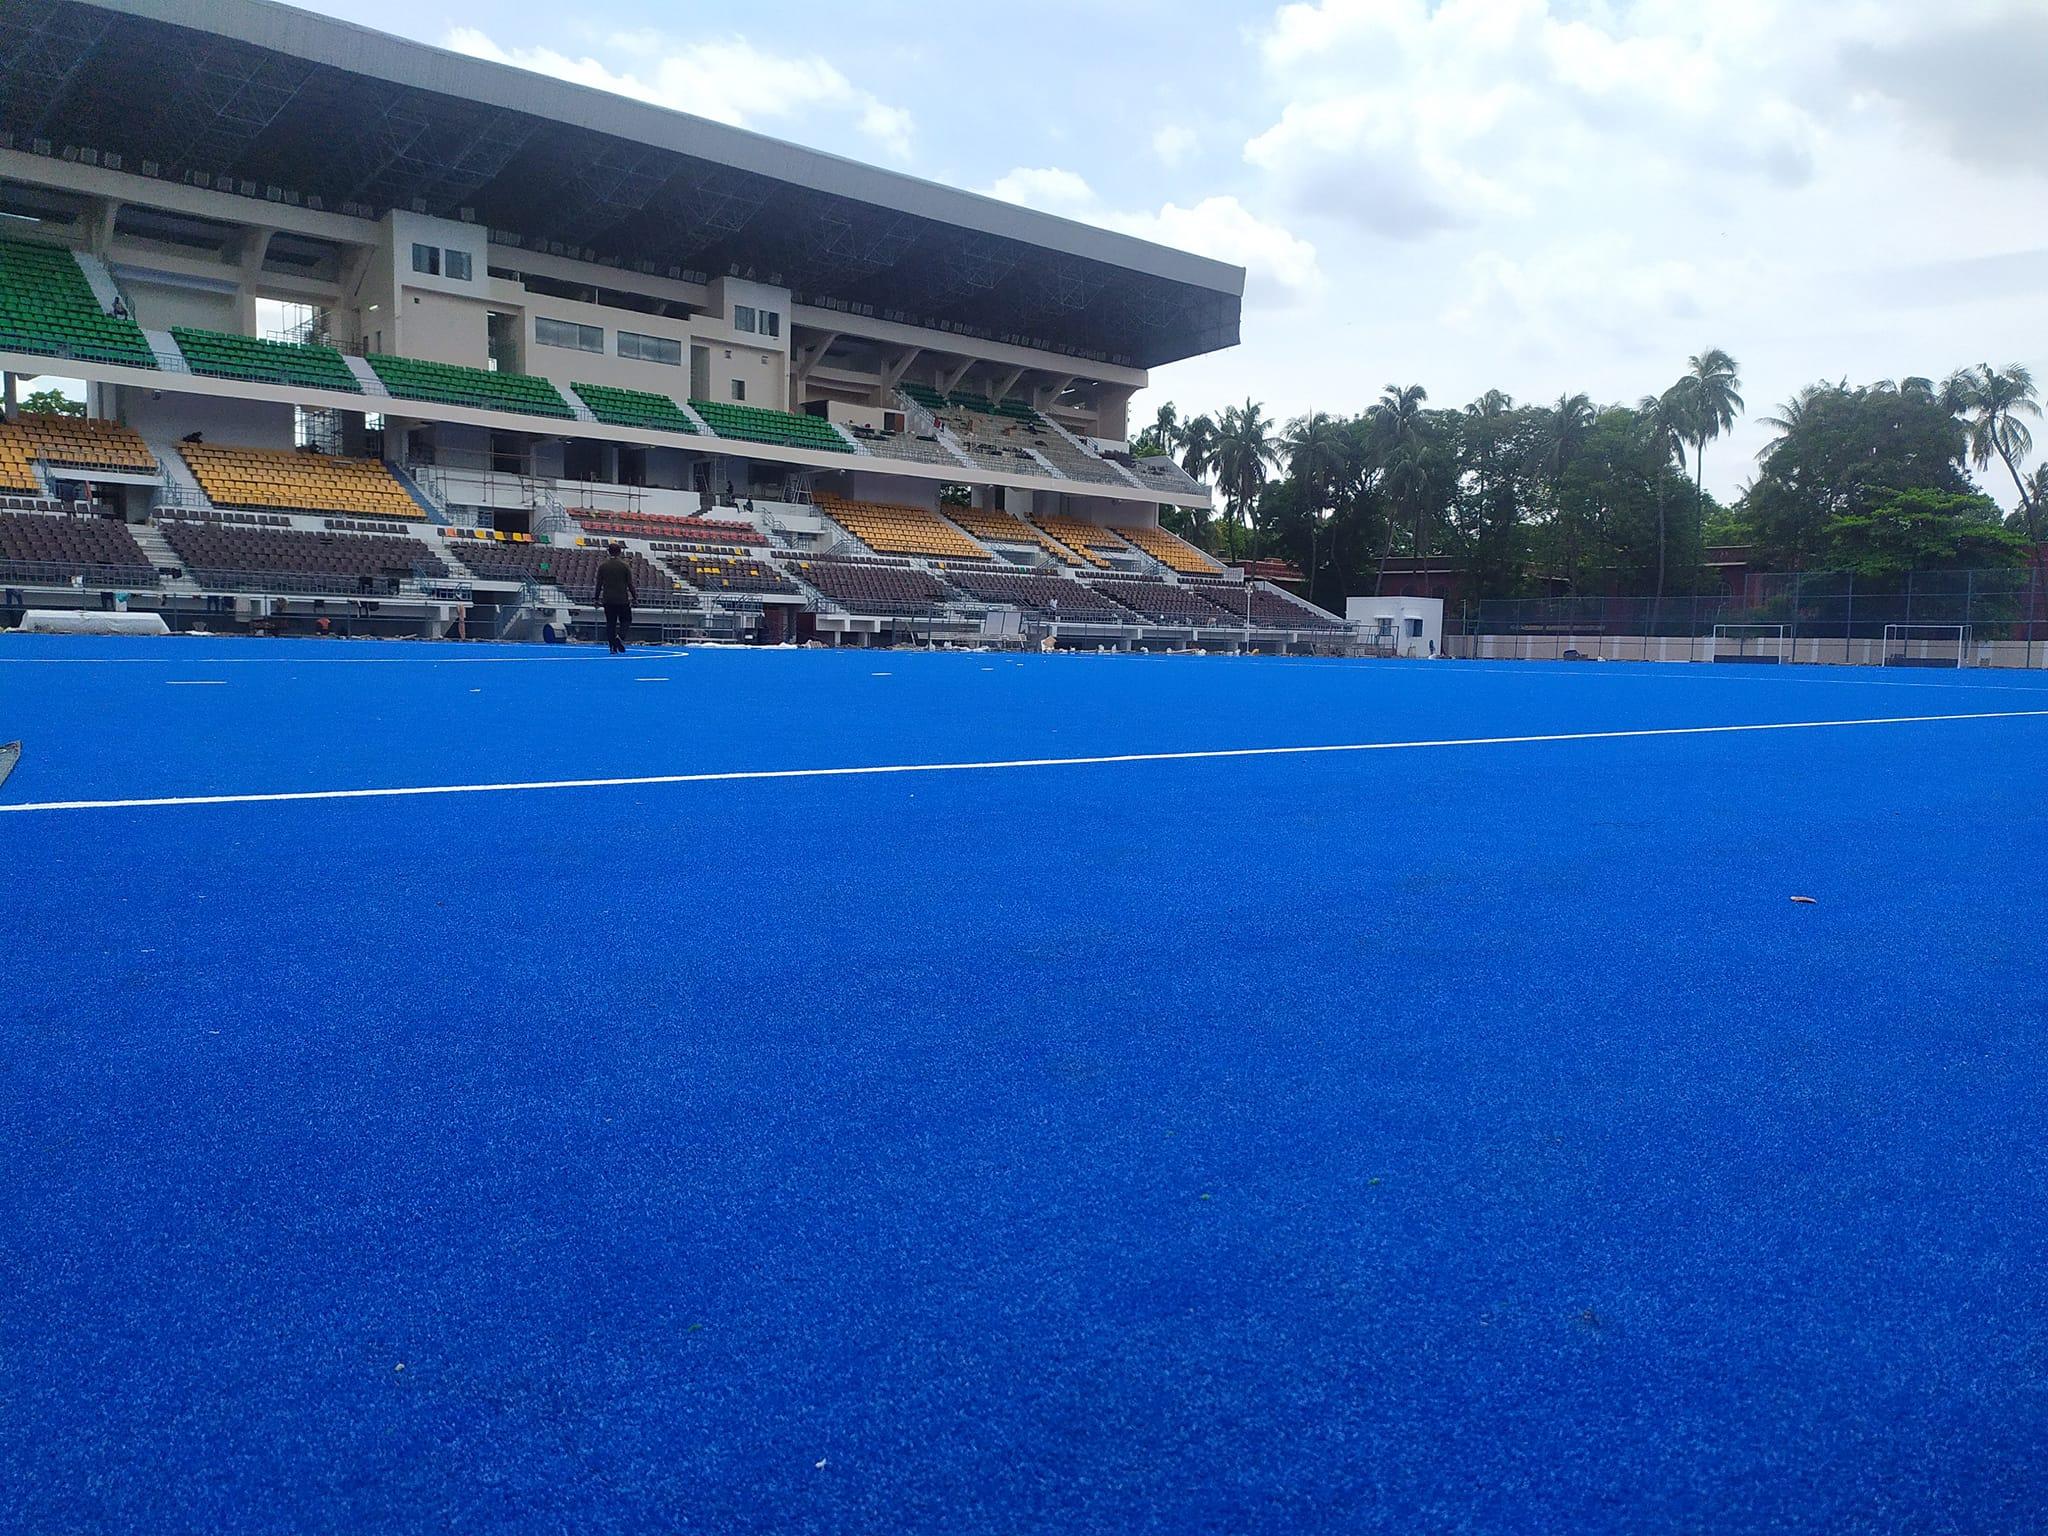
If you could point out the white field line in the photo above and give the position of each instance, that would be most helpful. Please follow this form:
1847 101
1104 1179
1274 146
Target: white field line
874 770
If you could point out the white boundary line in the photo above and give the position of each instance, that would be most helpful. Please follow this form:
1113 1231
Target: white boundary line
873 770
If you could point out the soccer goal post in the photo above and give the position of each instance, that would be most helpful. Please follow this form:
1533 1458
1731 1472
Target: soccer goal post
1765 643
1926 645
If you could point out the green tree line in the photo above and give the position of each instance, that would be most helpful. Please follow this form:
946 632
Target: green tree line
1578 498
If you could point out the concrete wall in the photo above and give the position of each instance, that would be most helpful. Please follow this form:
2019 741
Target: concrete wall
160 300
163 418
1416 623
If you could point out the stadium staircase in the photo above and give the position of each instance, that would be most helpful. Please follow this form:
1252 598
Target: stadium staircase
1080 447
424 492
1046 464
181 488
577 408
100 280
165 347
164 558
365 375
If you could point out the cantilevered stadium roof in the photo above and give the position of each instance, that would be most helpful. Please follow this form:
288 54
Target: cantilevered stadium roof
250 94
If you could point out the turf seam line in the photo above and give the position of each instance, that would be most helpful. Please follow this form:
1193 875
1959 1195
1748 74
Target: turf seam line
875 770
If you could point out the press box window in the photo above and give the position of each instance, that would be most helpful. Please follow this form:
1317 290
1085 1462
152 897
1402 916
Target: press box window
743 317
771 323
650 349
566 333
458 265
427 259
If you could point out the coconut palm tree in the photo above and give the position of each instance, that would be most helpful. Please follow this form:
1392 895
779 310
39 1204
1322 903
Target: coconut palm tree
1663 417
1709 394
1318 456
1397 429
1245 450
1792 414
1994 402
1166 429
1566 427
1197 454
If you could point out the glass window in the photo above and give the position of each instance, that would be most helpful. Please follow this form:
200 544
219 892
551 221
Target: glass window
650 349
742 317
427 259
458 265
566 333
771 323
739 389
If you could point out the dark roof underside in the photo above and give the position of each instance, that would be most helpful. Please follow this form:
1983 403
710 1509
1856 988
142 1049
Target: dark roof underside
194 104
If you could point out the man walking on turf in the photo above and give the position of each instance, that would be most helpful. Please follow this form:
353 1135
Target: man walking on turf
615 595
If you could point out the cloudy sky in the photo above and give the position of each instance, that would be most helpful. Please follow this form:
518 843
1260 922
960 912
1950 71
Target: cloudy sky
1540 196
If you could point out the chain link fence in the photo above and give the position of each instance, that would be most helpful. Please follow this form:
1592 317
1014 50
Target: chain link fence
1826 615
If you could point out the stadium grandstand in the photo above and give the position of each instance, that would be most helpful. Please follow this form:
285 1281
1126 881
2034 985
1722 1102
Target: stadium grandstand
429 385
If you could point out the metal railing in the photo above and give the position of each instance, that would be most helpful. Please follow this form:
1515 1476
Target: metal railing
72 573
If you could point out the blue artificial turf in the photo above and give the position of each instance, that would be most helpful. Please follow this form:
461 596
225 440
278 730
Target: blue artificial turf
1467 1139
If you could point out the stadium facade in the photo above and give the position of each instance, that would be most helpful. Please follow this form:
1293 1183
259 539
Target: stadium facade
327 286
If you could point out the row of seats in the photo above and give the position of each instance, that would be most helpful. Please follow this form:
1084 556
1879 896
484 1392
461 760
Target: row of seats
1088 540
916 447
415 378
713 532
1011 435
80 442
228 356
873 586
1175 553
17 463
729 573
572 570
100 549
1163 603
1269 609
1052 597
751 424
1000 527
899 530
47 306
230 555
298 482
634 408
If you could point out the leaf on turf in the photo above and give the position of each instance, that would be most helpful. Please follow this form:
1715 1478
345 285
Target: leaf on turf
1806 901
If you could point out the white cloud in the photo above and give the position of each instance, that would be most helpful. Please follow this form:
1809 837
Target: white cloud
1409 118
726 79
1048 189
1280 267
1173 143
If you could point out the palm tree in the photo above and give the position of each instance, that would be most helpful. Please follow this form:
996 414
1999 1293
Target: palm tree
1197 454
1397 422
1995 400
1245 450
1166 429
1708 393
1792 414
1664 418
1318 456
1565 430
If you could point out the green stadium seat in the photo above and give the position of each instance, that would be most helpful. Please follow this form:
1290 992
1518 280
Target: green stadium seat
414 378
752 424
47 307
634 408
266 362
